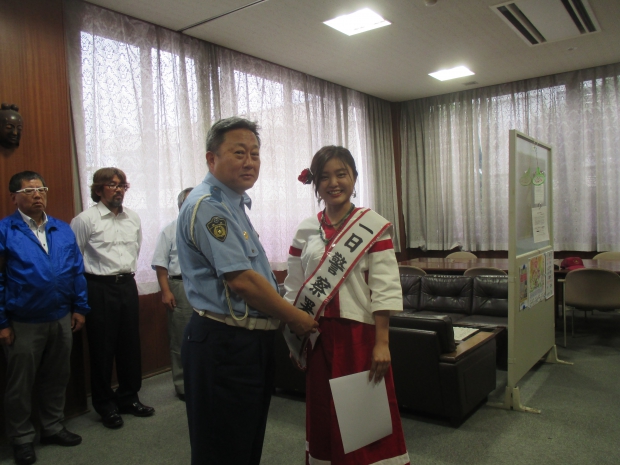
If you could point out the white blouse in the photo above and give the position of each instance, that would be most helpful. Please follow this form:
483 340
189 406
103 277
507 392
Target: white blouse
373 285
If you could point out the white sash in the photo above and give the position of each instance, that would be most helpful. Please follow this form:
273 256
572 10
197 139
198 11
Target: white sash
340 257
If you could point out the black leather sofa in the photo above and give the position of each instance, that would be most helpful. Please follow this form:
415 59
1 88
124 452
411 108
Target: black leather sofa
480 301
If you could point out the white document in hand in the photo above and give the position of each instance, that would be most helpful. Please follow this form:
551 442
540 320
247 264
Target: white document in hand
362 410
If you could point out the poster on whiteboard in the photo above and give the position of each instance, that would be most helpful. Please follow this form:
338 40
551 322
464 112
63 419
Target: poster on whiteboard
536 280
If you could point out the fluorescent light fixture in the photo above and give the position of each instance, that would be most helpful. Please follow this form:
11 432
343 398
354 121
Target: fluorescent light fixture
360 21
446 74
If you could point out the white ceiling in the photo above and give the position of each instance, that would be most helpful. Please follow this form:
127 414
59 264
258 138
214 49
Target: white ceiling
391 62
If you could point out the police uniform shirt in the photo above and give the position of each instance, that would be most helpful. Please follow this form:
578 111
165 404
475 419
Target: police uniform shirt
109 243
225 242
166 254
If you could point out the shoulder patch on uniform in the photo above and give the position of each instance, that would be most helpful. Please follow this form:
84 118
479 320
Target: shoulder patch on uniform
218 228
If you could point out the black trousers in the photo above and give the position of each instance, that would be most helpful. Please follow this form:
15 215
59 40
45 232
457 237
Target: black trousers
228 375
112 327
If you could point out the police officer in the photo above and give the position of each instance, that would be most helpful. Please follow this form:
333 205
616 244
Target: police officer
228 344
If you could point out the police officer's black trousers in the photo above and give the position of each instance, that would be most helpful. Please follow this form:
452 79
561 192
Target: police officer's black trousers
112 327
228 375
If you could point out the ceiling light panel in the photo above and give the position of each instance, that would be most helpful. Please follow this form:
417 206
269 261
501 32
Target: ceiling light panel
360 21
447 74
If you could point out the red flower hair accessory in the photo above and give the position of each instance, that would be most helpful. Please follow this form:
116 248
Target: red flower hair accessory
305 177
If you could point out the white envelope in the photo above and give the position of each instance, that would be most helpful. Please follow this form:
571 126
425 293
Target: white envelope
362 410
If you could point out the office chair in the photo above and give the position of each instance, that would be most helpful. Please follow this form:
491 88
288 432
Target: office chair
607 256
484 271
411 270
462 256
590 289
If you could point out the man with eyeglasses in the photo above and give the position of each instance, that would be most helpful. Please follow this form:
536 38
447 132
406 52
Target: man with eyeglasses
109 236
42 301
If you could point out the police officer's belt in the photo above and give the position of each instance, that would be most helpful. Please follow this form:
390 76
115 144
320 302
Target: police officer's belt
260 324
111 279
177 277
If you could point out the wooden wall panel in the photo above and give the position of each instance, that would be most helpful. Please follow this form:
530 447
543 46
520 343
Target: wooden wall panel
33 76
154 335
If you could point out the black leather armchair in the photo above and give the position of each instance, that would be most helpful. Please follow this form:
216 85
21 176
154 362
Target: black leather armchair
432 376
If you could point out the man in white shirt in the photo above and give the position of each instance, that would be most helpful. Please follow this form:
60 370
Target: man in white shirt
166 265
109 236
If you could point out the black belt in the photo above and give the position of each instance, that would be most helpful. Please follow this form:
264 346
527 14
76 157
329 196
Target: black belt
176 278
113 278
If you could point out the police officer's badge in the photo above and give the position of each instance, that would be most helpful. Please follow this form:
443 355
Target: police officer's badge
218 228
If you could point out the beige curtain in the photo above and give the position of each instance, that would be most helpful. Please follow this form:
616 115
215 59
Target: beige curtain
381 146
455 160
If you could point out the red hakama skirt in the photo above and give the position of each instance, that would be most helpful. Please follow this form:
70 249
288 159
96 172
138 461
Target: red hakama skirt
344 348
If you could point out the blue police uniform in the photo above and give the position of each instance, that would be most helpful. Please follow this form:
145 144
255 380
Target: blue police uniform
228 369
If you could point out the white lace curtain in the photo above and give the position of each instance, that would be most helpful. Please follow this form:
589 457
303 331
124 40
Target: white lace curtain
143 98
455 160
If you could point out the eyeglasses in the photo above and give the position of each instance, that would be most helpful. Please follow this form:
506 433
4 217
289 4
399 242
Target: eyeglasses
32 190
113 186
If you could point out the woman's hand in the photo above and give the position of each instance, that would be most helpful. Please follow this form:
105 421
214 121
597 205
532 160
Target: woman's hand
380 361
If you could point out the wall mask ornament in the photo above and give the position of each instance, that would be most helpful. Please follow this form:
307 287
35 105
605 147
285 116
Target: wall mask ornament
11 125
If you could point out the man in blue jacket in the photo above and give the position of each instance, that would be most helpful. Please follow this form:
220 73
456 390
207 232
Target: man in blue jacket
42 301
